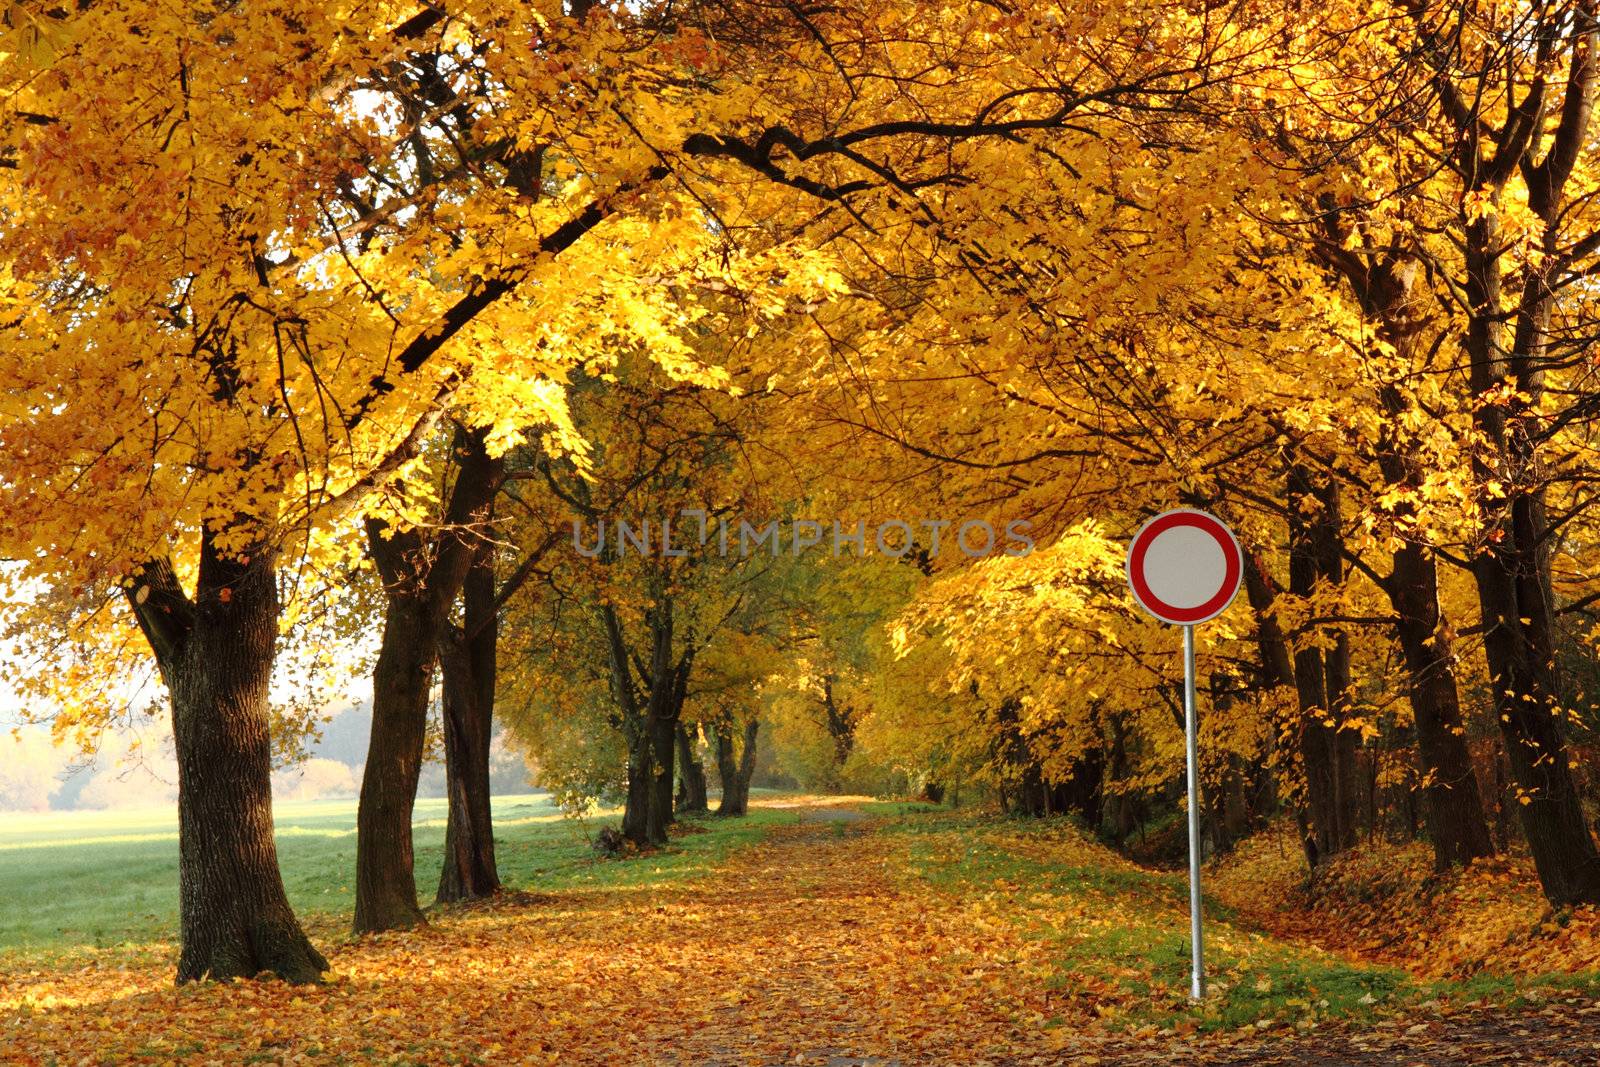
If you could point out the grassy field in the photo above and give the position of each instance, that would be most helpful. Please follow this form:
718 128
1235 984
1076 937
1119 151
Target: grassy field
107 877
103 879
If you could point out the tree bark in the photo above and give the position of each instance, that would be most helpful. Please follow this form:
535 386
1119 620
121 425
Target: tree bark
641 787
421 583
1386 288
1321 676
1512 566
1454 809
216 654
467 655
663 748
634 722
840 722
735 773
386 890
1523 676
691 776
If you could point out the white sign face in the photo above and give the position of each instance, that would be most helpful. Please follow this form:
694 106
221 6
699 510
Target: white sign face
1184 567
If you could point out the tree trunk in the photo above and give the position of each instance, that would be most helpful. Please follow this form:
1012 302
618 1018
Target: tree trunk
641 787
691 774
1454 808
1522 671
216 654
467 656
633 721
663 746
735 773
1345 744
1387 289
420 588
386 890
1328 759
1512 567
840 722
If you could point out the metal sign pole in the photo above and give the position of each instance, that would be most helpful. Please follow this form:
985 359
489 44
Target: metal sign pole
1197 979
1184 567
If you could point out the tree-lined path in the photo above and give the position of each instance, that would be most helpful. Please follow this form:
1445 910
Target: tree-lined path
832 936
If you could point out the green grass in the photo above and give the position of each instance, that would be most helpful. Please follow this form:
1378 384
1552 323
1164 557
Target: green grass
72 880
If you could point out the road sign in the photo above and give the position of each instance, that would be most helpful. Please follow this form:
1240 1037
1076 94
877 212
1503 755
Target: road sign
1184 567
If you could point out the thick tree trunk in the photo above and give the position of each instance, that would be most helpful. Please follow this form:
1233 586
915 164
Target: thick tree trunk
386 890
641 788
467 656
663 745
216 655
691 776
633 721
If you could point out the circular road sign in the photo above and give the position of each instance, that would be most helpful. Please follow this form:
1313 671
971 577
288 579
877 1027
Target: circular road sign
1184 567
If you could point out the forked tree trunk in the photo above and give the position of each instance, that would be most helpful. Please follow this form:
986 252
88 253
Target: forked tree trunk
735 772
467 656
1521 651
216 655
1512 567
691 775
421 584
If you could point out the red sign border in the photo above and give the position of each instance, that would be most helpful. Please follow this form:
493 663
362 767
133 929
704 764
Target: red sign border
1232 556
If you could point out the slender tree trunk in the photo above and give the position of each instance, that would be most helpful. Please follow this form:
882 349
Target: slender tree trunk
1345 743
1328 759
747 764
692 775
468 660
840 721
386 890
420 588
216 654
1454 806
1387 289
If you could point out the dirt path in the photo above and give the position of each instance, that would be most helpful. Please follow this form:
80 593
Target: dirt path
814 955
812 946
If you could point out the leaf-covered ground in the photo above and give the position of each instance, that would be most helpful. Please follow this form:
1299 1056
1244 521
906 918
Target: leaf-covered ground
836 935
